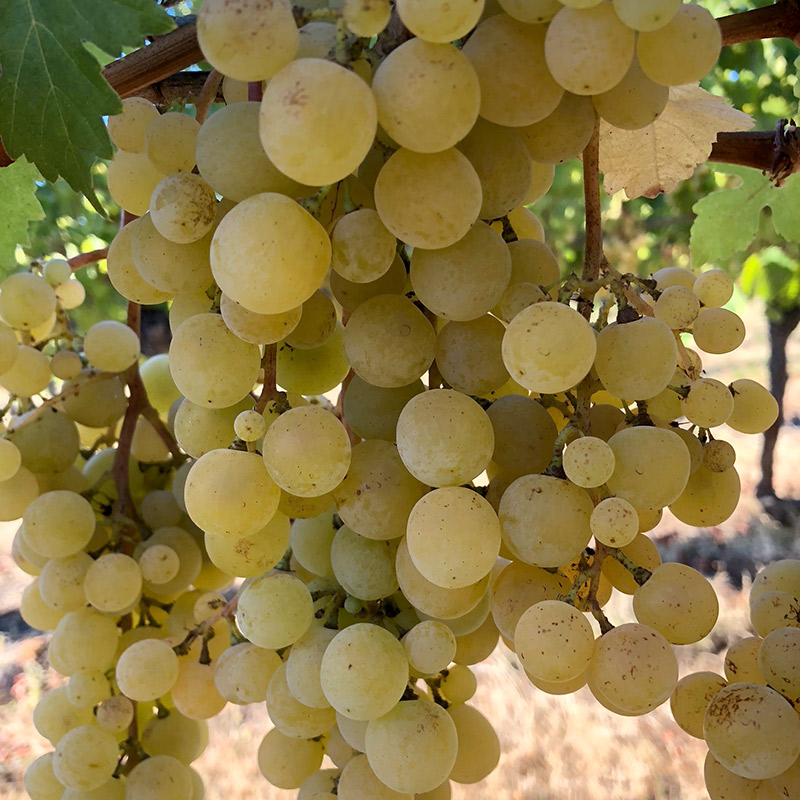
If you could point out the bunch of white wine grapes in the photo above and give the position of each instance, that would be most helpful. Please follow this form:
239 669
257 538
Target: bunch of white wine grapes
213 526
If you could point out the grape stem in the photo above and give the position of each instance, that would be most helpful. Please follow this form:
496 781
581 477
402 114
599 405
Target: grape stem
208 94
269 389
781 20
640 574
204 627
84 259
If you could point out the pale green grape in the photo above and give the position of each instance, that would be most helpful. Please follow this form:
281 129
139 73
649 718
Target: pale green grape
159 564
364 671
352 731
548 347
168 266
363 567
255 241
289 715
472 620
691 697
112 789
170 142
189 556
717 330
249 425
518 297
430 647
465 280
147 670
634 668
248 41
554 641
85 757
303 667
708 404
524 435
378 493
541 180
648 16
8 348
442 23
161 389
113 583
199 429
242 673
16 494
10 459
54 715
545 520
314 371
286 762
48 444
274 611
26 300
651 467
358 781
504 168
307 451
777 659
427 95
636 360
160 777
210 365
588 50
311 540
718 456
517 588
29 374
111 346
782 576
87 689
774 610
183 207
694 445
56 271
722 784
372 411
677 307
251 555
131 180
322 95
563 133
713 288
230 493
70 294
58 523
413 748
258 328
177 736
741 661
709 497
35 611
40 782
127 129
634 103
232 161
389 342
431 599
317 322
478 645
678 602
752 731
478 745
787 784
444 438
194 693
458 683
754 408
363 248
428 200
614 522
66 365
694 33
469 355
366 18
453 537
588 462
509 57
159 509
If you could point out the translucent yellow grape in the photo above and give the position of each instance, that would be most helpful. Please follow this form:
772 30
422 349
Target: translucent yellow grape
709 497
124 276
717 330
128 129
478 745
85 757
442 23
131 180
363 249
754 408
614 522
183 207
170 142
292 717
147 670
713 288
26 301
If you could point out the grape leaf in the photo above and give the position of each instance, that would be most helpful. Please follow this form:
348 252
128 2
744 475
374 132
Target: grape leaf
52 92
655 159
18 207
727 220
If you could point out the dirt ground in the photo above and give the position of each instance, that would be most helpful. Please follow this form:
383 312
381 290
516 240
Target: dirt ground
554 748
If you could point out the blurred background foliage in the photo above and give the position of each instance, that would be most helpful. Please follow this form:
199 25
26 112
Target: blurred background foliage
641 235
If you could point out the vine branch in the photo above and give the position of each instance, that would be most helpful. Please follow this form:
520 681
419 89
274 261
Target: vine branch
781 20
84 259
207 95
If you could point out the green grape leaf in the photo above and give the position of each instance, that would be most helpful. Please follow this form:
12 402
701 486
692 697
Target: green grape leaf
18 206
52 92
727 220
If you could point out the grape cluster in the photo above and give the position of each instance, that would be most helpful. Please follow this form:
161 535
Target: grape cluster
363 226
